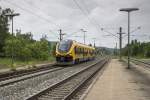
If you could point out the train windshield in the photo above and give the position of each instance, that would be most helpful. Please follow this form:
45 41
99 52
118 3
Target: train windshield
64 45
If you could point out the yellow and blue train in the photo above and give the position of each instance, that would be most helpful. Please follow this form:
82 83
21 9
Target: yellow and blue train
72 52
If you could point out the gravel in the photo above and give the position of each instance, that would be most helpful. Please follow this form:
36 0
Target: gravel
23 89
64 89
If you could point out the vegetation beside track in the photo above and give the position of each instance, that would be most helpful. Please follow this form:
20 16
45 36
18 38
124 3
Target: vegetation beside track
138 49
24 49
6 62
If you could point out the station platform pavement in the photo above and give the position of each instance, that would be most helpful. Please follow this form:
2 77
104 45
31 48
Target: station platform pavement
119 83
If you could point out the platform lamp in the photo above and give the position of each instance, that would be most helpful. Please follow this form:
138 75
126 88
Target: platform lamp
128 10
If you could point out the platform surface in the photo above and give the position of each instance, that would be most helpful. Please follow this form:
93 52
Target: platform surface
119 83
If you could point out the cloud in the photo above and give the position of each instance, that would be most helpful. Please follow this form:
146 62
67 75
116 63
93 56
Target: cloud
41 16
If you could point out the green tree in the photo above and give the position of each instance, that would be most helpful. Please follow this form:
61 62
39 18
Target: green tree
138 49
4 34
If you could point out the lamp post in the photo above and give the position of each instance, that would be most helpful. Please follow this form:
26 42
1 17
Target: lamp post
84 34
94 39
128 10
12 15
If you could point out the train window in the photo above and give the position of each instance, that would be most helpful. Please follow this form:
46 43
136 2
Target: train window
86 51
82 50
75 49
78 50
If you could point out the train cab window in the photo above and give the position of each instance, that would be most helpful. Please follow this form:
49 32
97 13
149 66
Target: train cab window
64 45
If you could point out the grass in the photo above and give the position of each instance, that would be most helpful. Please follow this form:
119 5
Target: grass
6 62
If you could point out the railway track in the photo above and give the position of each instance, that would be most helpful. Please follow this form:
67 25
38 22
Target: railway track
19 88
25 76
145 64
19 73
140 61
68 87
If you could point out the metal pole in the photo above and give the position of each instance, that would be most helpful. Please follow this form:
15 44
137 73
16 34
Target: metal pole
116 49
129 10
60 34
120 30
12 49
84 37
120 46
94 43
128 40
120 42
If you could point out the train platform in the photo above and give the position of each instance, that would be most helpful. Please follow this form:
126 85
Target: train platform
119 83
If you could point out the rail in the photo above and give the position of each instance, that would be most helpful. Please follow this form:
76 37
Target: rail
68 79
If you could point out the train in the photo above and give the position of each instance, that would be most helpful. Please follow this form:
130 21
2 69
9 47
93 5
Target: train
72 52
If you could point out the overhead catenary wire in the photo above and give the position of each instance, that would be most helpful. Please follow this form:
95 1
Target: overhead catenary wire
93 20
87 10
34 14
37 8
69 35
31 12
84 13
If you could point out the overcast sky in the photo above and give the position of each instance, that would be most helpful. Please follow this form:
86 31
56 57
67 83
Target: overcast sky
48 16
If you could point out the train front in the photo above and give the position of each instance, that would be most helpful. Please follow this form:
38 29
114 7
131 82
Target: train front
64 55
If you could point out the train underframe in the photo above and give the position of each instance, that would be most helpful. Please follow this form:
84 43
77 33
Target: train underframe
68 60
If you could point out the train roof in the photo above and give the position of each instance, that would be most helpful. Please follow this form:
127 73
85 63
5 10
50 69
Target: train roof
83 45
79 44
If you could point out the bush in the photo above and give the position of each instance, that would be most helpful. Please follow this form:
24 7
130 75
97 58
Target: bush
25 50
